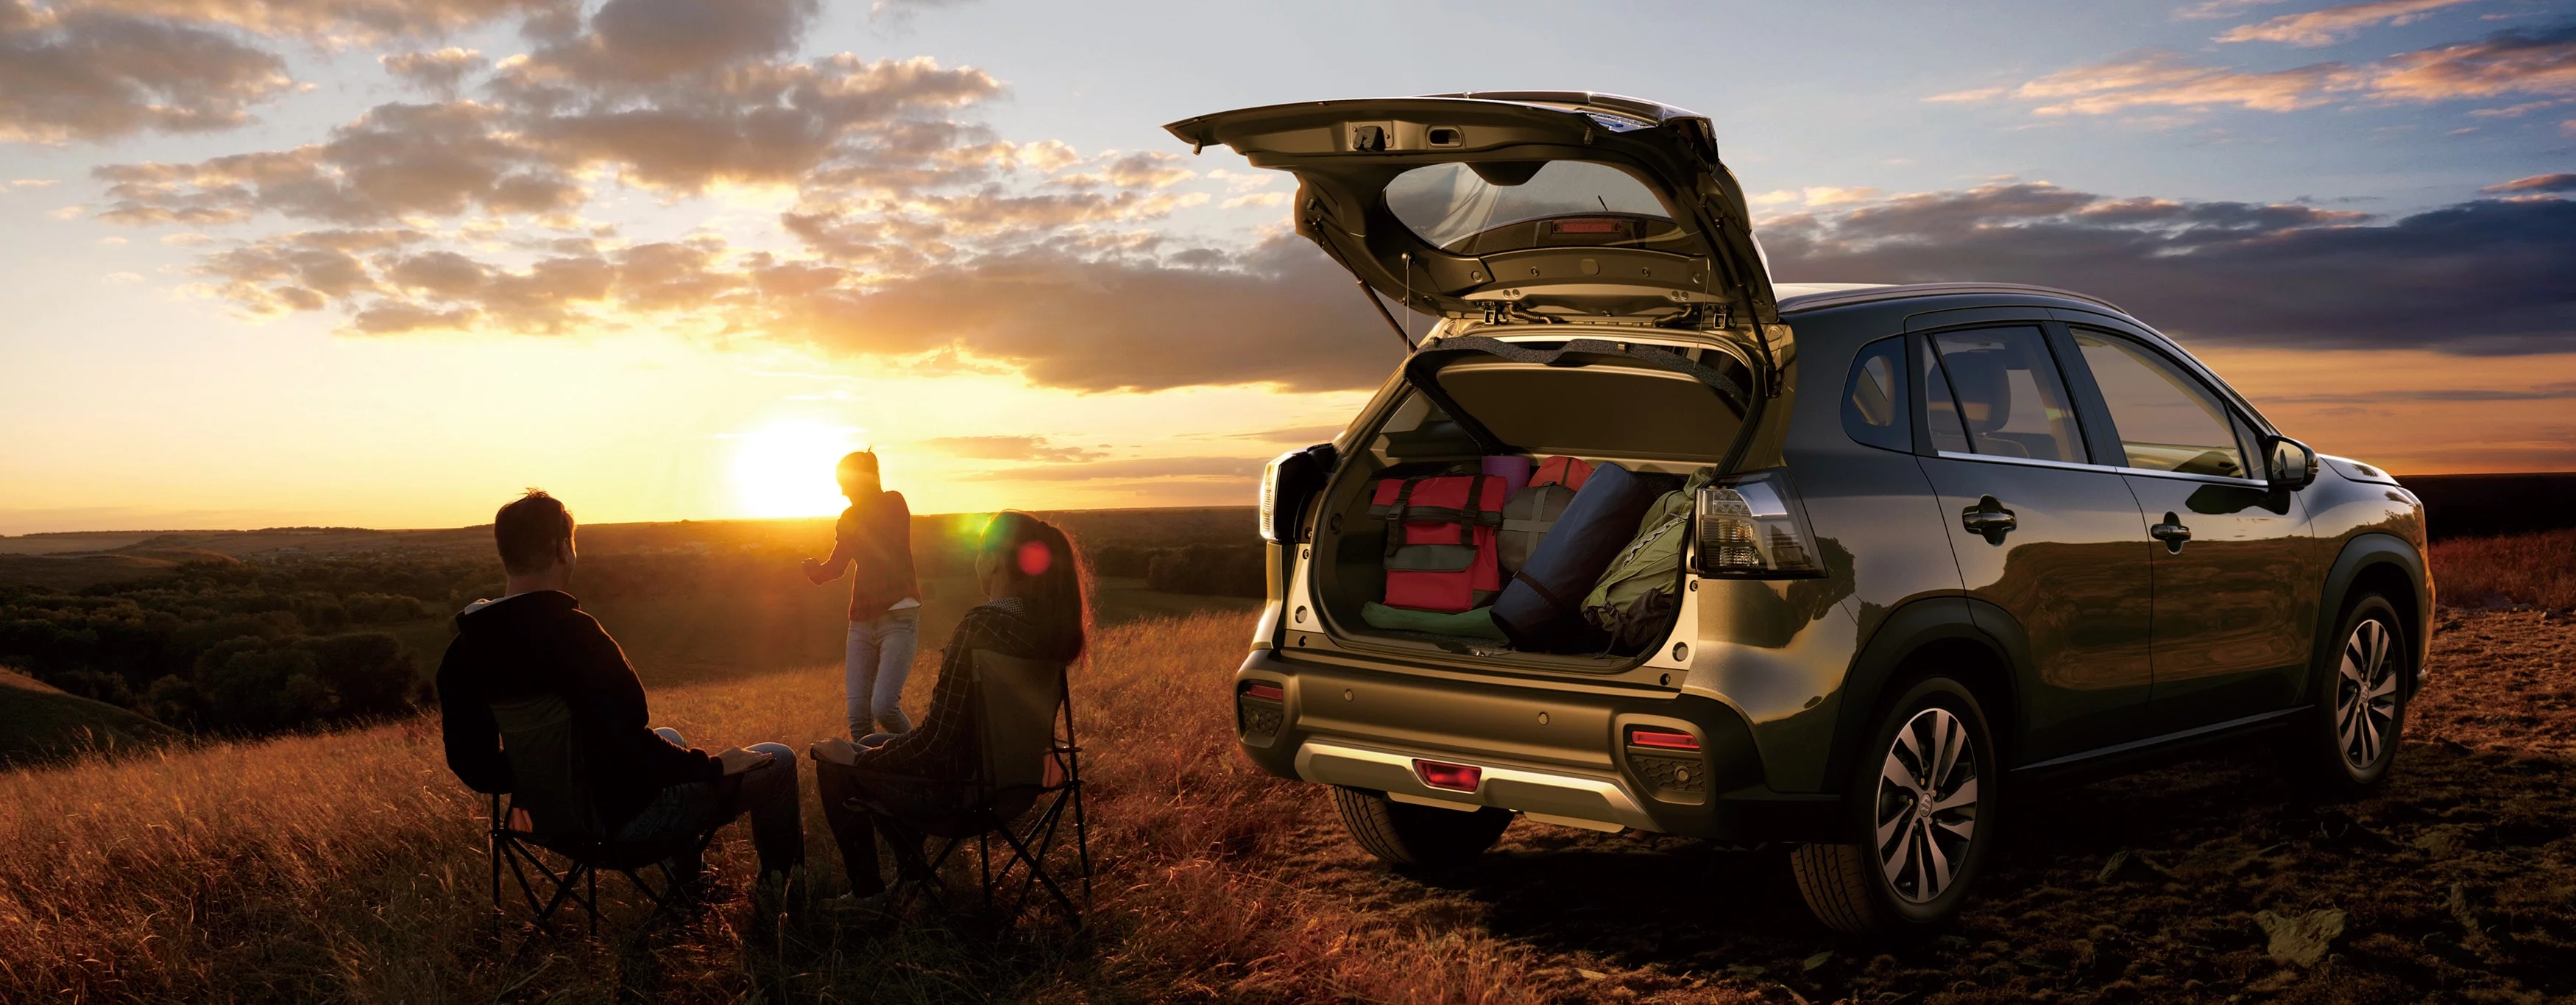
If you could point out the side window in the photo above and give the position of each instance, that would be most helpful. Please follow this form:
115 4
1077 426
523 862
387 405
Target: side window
1874 405
2008 394
2167 420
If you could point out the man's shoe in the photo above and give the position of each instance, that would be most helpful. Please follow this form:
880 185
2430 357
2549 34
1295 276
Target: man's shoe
853 903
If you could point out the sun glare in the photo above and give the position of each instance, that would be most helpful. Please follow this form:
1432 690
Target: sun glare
785 468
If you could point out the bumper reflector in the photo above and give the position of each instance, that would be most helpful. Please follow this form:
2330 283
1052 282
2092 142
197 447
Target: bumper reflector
1266 692
1664 739
1458 777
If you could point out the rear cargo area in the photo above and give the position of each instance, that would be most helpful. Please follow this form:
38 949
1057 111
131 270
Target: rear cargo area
1517 499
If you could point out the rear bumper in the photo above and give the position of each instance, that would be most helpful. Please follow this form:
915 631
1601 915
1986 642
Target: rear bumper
1560 756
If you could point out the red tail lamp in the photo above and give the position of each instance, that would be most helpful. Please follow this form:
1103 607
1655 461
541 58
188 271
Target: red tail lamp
1448 776
1664 739
1265 692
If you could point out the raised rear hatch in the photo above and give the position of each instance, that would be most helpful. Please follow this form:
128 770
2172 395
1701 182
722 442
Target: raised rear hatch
1517 205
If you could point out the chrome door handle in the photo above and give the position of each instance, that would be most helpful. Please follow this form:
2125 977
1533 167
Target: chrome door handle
1988 519
2171 532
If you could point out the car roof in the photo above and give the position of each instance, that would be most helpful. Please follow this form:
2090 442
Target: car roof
1817 296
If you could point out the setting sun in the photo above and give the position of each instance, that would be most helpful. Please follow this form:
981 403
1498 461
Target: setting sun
785 468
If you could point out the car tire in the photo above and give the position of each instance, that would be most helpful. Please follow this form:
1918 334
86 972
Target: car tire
1933 817
1421 838
2345 744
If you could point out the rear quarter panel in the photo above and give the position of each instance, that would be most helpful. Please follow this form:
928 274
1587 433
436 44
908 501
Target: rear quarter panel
1781 650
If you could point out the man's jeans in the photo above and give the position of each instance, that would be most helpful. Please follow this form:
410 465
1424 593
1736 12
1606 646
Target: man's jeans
685 810
878 662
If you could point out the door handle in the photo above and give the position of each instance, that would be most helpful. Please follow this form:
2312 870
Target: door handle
2171 532
1988 519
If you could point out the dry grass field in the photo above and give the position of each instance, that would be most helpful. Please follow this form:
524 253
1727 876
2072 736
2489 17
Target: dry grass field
349 867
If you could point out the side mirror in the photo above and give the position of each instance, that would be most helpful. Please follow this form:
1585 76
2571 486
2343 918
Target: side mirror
2290 465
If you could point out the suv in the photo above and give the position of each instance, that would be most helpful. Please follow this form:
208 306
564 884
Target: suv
1954 541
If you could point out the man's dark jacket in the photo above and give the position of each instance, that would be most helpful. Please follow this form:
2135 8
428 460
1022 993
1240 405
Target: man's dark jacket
542 643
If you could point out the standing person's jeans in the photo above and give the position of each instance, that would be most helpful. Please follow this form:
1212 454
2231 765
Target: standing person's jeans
879 660
685 810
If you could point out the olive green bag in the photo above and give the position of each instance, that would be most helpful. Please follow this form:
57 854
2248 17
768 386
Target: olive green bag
1638 593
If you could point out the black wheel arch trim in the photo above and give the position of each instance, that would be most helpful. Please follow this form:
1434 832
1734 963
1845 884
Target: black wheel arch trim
2359 553
1908 630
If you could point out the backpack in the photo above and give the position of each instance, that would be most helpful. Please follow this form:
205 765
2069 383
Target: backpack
1534 510
1639 592
1440 540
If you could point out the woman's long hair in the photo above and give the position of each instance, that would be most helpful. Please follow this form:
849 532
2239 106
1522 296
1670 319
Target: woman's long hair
1042 559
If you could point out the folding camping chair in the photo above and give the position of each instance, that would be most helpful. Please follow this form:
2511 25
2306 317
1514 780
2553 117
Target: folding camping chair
551 810
1029 762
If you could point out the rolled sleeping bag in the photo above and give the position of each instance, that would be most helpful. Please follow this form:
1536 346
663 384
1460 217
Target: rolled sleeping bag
1541 607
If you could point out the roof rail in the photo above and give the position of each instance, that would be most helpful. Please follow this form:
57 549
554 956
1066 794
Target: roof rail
1905 291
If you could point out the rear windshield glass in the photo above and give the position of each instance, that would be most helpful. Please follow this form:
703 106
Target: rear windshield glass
1482 208
1602 410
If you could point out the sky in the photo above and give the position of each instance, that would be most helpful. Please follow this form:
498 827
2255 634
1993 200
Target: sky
385 263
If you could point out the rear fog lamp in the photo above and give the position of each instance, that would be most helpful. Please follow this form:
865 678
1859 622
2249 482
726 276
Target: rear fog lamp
1265 692
1663 739
1459 777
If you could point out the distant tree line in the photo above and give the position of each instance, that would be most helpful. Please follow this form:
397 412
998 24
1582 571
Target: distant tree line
1220 570
241 648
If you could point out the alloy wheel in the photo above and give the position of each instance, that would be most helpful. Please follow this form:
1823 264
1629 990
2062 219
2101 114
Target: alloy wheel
2366 694
1927 804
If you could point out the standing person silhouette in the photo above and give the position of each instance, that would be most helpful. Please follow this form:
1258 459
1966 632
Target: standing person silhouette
875 535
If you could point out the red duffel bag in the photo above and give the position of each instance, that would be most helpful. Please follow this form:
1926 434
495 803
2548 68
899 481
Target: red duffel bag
1440 540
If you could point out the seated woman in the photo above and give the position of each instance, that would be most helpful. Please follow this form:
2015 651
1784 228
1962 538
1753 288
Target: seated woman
1035 611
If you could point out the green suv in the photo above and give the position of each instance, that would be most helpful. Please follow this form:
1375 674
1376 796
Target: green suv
1956 541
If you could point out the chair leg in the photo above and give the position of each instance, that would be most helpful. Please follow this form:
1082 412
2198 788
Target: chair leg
592 902
1081 835
1037 869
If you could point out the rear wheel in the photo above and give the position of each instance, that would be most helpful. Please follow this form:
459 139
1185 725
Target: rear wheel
1922 819
1426 838
2345 745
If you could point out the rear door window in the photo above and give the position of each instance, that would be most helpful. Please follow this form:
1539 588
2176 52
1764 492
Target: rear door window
1874 405
2166 419
2004 387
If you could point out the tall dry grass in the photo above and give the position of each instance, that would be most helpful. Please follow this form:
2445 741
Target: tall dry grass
350 867
2535 569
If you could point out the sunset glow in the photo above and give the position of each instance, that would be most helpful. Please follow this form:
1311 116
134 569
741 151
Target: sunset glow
786 468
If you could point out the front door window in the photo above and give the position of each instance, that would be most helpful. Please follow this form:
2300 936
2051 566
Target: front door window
2166 420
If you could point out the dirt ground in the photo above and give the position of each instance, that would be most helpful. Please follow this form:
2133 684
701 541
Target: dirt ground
2456 883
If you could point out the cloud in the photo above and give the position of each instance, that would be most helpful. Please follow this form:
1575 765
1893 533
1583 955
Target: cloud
439 72
84 74
1132 469
2484 277
1277 313
346 22
398 160
2515 62
1271 200
2506 62
2560 182
2335 24
2208 9
1008 448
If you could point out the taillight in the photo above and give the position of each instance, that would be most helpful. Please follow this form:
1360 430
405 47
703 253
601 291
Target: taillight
1459 777
1752 526
1287 484
1265 692
1664 739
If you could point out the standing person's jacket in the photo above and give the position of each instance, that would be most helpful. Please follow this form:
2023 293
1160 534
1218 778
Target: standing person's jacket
876 534
945 745
541 643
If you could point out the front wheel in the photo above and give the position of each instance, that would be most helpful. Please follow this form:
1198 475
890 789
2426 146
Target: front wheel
1921 822
1423 838
2343 747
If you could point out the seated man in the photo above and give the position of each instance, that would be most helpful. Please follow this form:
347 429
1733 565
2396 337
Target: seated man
536 640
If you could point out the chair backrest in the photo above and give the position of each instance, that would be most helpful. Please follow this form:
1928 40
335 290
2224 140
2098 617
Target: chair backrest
549 773
1017 699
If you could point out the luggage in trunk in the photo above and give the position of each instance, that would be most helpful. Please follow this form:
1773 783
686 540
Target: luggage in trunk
1534 510
1541 609
1440 540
